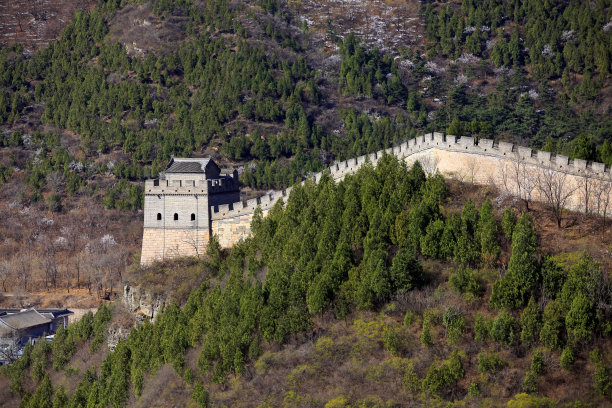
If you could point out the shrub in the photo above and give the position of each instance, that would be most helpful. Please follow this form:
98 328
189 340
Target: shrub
406 271
410 380
530 401
453 323
324 348
426 337
531 323
514 289
200 395
580 320
482 328
188 375
553 326
430 242
567 358
508 221
538 367
553 278
464 281
490 362
391 340
409 318
444 375
338 402
601 375
529 382
54 203
473 389
63 347
504 329
137 381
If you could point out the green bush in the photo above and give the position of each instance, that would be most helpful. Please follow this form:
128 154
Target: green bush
538 367
531 323
441 377
63 347
464 280
391 340
553 278
54 203
515 288
482 328
409 318
473 389
508 221
530 384
426 336
601 375
567 358
490 362
406 271
504 329
581 319
453 323
551 334
200 395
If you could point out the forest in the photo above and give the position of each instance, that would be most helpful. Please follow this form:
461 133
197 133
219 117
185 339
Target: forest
391 287
339 250
254 96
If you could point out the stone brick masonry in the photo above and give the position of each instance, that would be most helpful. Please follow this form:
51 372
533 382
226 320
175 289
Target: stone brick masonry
514 169
158 244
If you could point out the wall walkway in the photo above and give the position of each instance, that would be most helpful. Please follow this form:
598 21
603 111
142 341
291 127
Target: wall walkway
520 171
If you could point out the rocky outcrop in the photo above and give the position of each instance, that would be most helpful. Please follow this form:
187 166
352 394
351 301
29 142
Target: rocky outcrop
143 303
115 335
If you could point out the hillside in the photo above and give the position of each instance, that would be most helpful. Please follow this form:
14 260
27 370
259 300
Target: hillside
387 289
277 90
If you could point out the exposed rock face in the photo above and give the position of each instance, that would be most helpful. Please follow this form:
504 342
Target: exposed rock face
143 303
115 335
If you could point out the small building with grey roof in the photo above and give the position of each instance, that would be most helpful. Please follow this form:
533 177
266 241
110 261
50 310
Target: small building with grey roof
20 326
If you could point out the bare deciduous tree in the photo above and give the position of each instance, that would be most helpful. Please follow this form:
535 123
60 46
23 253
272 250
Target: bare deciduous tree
524 179
556 189
23 265
49 265
601 195
518 179
586 186
5 274
472 168
9 350
192 242
429 164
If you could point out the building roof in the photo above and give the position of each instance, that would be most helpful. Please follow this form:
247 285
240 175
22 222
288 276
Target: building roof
51 313
55 313
182 165
23 320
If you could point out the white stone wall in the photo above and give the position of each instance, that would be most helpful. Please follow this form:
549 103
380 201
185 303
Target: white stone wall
482 162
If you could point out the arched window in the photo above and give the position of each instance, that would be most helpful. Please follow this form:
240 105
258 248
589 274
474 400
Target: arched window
192 217
158 216
175 217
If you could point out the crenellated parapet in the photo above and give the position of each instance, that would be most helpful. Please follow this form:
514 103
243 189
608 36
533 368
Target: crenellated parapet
512 168
237 209
482 147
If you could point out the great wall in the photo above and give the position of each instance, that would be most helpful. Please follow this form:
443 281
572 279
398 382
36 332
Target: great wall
576 185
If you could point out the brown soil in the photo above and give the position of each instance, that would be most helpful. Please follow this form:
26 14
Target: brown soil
35 23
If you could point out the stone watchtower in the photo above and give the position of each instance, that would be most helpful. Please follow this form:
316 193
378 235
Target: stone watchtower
177 207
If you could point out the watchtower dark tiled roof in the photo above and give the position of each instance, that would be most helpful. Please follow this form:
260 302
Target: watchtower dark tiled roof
187 166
